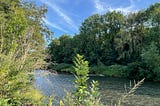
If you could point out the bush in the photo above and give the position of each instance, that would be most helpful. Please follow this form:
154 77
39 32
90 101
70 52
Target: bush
116 70
97 69
4 102
63 67
113 70
149 67
151 57
82 95
137 70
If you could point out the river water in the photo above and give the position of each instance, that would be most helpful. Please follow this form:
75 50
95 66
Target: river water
148 94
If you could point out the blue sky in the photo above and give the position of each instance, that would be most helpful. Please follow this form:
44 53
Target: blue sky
66 16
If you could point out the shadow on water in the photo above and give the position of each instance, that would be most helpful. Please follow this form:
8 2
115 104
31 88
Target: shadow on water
111 88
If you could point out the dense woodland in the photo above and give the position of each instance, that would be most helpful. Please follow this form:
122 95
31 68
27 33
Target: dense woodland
115 44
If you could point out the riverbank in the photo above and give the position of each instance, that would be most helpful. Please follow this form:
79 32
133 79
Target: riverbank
112 71
68 73
130 71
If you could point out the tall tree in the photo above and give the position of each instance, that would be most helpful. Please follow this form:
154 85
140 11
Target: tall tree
21 51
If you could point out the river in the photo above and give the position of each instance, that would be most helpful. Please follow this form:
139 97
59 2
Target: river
148 94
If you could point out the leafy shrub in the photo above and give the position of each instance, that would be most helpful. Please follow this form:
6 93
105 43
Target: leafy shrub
113 70
82 95
63 67
151 57
116 70
4 102
149 67
97 69
137 70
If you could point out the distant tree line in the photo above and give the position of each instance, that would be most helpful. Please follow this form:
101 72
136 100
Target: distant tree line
113 38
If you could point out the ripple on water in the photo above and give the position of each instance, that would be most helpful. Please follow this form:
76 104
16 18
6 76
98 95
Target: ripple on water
111 89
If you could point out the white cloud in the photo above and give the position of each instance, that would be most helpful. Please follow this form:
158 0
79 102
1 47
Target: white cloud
59 11
102 7
54 25
125 10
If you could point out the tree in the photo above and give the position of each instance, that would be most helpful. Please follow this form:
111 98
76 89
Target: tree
61 49
99 33
112 38
21 51
151 56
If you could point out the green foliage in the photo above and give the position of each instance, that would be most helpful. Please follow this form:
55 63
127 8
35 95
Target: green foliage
4 102
114 38
148 67
21 51
82 95
82 70
94 96
63 67
151 56
137 70
61 49
50 101
113 70
68 100
90 96
116 71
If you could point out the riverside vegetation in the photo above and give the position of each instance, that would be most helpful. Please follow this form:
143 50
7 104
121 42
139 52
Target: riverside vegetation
114 44
85 95
22 50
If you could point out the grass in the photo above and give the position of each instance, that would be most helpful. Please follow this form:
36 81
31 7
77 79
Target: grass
130 92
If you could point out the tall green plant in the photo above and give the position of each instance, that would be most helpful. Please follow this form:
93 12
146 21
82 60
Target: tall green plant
82 70
83 95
